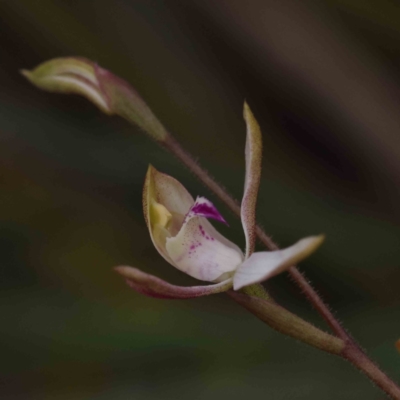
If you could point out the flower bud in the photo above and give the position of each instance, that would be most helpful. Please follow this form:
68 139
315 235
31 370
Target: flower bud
107 91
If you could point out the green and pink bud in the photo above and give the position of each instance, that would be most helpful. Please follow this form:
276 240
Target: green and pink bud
111 94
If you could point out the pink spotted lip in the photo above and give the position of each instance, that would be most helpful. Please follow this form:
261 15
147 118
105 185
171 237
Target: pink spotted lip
196 244
204 234
204 208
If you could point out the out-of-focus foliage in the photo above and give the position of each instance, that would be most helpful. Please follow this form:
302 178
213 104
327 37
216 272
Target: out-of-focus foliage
323 78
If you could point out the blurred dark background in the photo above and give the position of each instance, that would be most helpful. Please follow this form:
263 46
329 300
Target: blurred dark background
323 79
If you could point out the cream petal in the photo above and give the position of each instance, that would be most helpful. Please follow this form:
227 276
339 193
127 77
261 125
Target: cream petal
152 286
165 204
253 153
201 251
261 266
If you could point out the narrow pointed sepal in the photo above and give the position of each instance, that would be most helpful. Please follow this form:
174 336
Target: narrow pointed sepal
253 153
263 265
110 93
152 286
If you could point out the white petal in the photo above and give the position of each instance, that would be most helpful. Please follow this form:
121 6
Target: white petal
200 251
261 266
253 154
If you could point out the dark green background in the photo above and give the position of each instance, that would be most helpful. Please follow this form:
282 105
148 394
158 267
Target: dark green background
322 77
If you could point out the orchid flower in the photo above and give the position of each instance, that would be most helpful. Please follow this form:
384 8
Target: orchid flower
182 234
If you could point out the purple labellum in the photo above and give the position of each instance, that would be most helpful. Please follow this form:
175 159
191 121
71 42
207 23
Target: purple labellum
204 208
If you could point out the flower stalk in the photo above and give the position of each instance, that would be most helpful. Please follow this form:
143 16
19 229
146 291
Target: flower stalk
116 97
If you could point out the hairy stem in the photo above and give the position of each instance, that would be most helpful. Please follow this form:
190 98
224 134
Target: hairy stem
359 359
